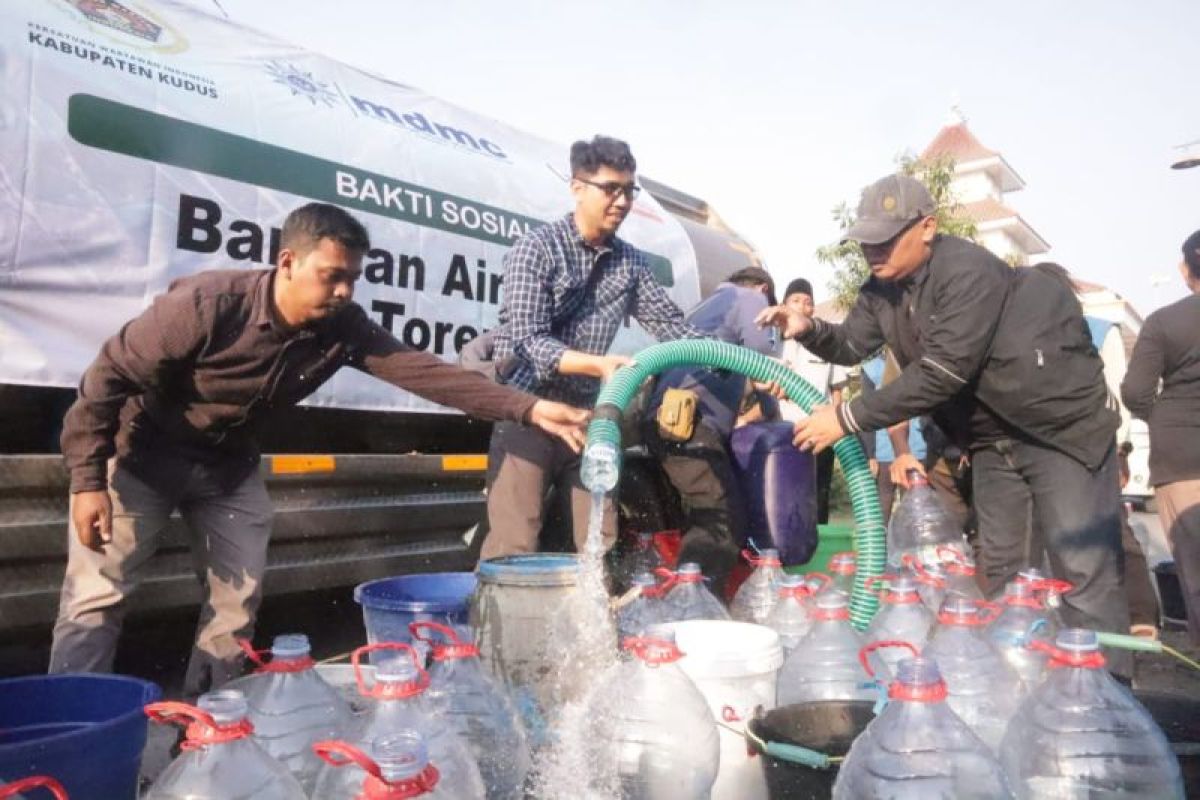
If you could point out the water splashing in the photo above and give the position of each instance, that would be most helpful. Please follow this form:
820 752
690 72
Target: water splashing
586 634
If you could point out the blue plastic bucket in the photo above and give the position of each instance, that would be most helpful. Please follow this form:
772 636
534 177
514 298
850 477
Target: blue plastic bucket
87 731
389 604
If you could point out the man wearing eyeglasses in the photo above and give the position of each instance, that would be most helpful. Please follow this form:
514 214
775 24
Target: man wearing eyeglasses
1003 361
568 286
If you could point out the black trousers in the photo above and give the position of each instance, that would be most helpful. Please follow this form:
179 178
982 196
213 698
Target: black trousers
702 474
1031 499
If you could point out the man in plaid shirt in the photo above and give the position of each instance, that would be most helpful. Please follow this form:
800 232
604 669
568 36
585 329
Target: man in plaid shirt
568 286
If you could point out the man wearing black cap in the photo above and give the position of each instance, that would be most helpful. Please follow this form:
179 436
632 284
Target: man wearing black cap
826 378
1002 359
697 464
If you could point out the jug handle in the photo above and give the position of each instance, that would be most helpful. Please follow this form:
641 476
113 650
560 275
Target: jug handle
200 729
33 782
865 653
339 754
456 648
404 647
923 575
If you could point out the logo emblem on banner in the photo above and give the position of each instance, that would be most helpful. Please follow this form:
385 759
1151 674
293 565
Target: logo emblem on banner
301 83
130 26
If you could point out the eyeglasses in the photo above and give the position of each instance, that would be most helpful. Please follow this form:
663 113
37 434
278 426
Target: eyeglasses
612 188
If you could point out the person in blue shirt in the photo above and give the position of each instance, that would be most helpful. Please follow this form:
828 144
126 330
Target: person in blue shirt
700 468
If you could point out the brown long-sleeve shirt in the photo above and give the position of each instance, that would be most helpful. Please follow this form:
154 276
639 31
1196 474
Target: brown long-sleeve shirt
198 370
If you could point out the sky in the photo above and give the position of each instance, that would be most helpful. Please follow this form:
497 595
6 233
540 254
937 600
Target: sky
775 112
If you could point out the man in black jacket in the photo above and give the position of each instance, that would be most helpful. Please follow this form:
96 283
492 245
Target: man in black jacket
1002 359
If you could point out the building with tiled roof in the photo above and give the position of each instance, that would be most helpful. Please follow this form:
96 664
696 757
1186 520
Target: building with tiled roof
982 178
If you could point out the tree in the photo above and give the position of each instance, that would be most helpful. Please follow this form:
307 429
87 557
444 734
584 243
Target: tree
850 268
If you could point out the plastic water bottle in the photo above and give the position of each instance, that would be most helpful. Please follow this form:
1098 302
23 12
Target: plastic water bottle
1082 734
825 665
918 748
902 617
984 689
641 557
686 597
393 767
1022 621
758 593
291 706
842 567
652 735
644 610
920 525
1050 591
401 703
600 467
952 575
791 617
469 699
219 759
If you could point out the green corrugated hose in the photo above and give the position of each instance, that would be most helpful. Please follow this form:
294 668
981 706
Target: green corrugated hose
870 539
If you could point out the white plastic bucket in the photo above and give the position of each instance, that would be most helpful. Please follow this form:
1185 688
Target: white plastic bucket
735 665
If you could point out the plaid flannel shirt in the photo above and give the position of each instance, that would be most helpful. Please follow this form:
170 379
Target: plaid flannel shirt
549 306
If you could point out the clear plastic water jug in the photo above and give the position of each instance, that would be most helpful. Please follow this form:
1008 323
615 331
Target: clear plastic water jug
220 759
951 575
901 617
758 593
392 767
1082 734
918 748
642 610
1022 621
399 702
462 694
825 665
920 525
842 568
291 706
791 618
642 557
984 689
652 734
685 596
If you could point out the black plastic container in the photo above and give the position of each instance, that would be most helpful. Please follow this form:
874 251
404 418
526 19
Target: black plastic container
828 727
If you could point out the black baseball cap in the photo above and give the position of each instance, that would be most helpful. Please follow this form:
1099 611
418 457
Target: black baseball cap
887 206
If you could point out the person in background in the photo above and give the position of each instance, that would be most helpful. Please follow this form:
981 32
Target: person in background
1003 361
1143 605
879 444
699 467
828 379
1162 386
568 288
166 421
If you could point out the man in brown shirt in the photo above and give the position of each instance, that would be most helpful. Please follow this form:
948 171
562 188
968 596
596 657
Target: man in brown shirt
166 417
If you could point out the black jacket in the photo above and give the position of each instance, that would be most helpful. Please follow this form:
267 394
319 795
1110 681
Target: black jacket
1168 348
971 331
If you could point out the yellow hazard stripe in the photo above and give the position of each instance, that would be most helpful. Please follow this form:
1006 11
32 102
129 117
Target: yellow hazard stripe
299 465
465 463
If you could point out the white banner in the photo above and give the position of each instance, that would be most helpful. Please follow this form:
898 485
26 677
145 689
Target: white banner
142 141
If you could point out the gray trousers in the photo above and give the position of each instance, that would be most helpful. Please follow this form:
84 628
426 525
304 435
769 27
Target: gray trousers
1179 510
230 528
1032 499
523 463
